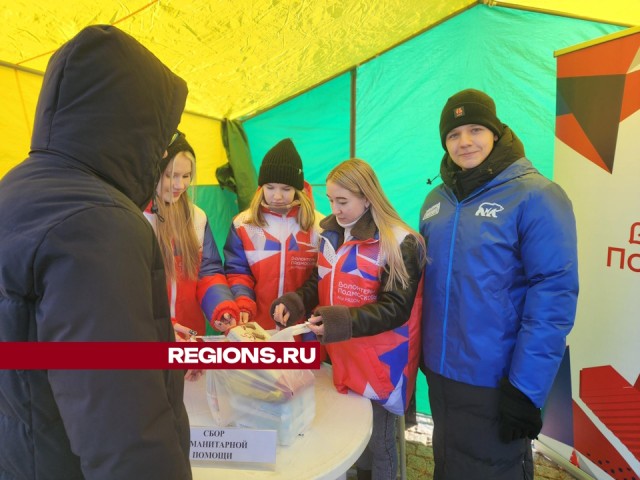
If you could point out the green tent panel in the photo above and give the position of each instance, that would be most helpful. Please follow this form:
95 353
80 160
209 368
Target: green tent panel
399 95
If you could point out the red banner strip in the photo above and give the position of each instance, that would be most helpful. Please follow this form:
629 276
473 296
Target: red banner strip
158 355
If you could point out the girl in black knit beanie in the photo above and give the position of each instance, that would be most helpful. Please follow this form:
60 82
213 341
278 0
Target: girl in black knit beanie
193 266
272 246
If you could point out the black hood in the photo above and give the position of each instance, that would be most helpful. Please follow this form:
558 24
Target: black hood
109 106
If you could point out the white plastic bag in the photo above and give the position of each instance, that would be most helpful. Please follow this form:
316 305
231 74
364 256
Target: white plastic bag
287 334
282 400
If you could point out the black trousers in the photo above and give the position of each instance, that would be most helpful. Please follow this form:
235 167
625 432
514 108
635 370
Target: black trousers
466 444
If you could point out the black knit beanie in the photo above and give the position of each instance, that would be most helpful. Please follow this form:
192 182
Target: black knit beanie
469 107
180 144
282 164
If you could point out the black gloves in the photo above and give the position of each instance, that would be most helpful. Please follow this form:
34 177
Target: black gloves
519 417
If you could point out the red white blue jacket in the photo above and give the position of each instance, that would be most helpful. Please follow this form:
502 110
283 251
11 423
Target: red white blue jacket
208 297
262 263
371 335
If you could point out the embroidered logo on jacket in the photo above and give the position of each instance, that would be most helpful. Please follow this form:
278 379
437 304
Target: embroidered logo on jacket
487 209
431 211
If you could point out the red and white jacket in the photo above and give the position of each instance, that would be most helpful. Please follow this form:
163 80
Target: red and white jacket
261 263
371 335
208 297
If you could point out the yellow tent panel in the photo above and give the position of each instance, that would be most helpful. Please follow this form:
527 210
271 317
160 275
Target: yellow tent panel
205 137
617 12
16 120
19 96
239 57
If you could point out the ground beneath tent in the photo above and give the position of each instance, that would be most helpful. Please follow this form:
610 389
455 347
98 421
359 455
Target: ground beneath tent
420 458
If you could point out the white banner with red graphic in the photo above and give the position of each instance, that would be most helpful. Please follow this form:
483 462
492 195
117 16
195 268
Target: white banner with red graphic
593 413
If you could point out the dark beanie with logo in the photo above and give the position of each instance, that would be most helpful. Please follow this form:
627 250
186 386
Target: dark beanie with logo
180 144
469 107
282 164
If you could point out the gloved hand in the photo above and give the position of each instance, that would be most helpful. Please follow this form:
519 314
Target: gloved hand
519 417
292 308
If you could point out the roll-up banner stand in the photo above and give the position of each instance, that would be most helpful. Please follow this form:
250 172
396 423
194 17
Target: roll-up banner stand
592 417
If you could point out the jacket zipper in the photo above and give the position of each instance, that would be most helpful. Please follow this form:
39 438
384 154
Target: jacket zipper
283 252
448 287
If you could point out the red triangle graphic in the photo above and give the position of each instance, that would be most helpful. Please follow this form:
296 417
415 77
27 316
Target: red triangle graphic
631 95
570 132
609 58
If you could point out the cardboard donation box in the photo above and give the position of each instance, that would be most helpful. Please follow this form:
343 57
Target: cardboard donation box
281 400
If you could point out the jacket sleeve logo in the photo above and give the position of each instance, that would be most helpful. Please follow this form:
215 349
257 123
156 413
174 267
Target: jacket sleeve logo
432 211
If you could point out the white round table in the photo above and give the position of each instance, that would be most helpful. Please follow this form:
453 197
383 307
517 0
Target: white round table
338 435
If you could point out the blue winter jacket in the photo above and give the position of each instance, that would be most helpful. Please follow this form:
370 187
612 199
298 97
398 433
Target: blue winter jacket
501 288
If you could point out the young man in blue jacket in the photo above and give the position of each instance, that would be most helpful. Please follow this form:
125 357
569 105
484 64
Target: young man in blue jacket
500 294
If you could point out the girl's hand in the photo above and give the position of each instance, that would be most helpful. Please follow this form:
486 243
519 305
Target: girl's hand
244 317
184 334
315 324
281 314
193 375
225 323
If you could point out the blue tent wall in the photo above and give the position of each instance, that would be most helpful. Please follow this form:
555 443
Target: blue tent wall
399 95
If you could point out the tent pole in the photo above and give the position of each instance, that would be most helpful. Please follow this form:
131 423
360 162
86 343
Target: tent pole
20 68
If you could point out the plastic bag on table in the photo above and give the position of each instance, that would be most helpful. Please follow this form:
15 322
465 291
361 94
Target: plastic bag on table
212 394
281 400
229 392
267 385
288 334
229 388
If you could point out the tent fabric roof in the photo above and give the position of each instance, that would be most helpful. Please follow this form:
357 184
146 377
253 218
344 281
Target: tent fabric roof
237 56
240 57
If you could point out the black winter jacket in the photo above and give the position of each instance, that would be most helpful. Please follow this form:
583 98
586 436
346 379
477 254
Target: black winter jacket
79 262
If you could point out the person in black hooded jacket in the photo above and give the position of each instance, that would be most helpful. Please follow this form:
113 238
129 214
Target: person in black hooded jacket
79 262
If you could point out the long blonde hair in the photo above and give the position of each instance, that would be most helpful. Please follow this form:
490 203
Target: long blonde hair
306 213
358 177
176 231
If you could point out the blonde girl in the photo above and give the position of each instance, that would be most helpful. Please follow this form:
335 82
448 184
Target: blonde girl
196 283
366 304
272 246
